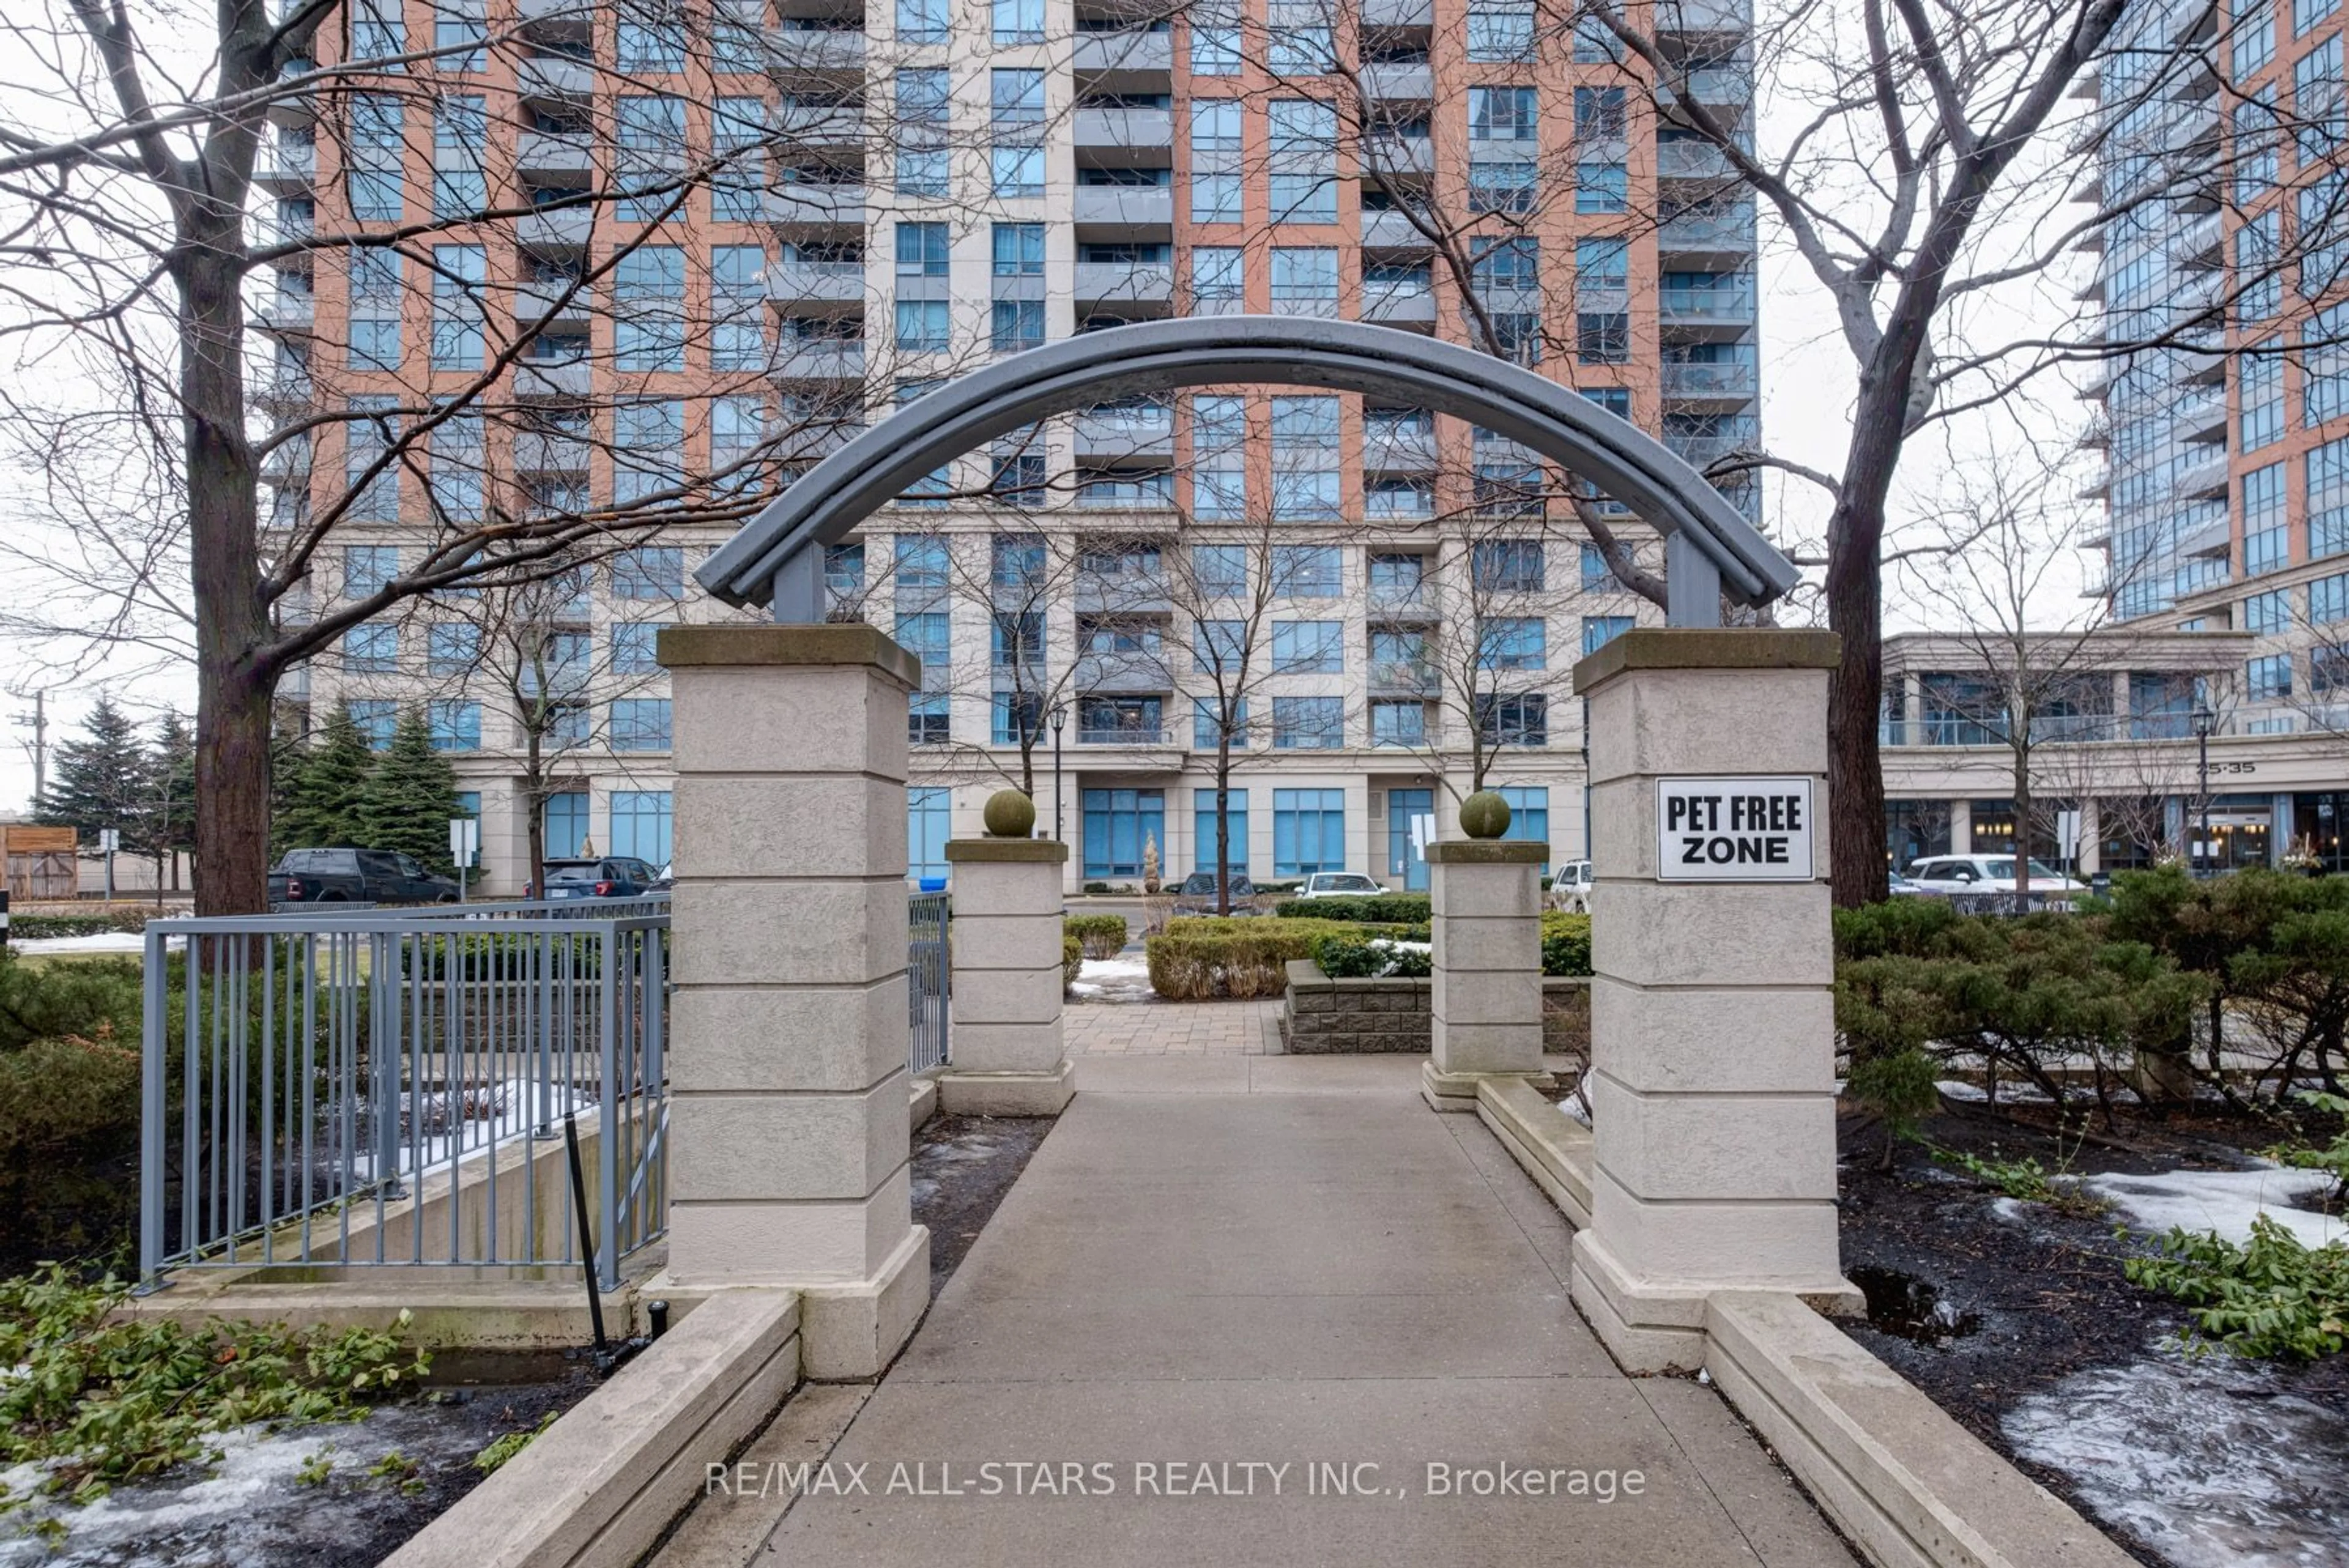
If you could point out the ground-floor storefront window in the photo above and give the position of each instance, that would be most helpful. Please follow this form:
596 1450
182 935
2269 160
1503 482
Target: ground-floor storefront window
1118 824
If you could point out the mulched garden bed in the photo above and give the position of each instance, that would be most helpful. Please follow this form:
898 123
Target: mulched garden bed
963 1165
1987 1304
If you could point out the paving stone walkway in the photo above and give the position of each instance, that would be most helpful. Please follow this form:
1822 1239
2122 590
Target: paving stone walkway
1234 1312
1160 1028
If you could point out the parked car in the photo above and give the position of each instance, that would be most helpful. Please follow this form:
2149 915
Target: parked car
1339 884
1569 888
1947 875
355 876
1197 894
613 876
1902 886
666 880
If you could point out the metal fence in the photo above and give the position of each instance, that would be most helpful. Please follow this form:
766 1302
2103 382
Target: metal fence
389 1086
926 980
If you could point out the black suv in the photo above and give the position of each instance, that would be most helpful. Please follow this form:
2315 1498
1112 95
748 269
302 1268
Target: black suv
355 876
613 876
1197 894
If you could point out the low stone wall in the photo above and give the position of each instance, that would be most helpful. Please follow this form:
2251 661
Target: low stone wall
1322 1017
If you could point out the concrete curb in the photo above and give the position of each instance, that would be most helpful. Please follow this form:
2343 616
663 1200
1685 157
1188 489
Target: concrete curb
1889 1466
599 1486
1901 1479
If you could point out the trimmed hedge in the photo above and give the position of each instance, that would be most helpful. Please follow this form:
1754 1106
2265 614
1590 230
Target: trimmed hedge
1349 956
39 925
1072 960
1200 958
1373 909
1104 935
1566 942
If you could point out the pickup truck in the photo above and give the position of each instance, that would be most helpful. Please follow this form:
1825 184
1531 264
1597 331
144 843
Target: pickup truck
355 876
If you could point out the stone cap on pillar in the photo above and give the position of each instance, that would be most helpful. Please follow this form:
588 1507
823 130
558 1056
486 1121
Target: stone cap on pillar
1050 852
753 644
1701 648
1486 853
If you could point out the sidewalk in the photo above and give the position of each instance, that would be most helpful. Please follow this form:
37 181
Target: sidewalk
1162 1028
1218 1265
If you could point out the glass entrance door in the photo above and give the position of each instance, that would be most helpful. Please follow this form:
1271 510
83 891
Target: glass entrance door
1411 828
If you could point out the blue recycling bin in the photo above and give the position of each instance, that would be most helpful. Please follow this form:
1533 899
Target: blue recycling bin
933 884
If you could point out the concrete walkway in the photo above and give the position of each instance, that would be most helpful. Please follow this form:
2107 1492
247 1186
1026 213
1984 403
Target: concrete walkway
1220 1264
1172 1028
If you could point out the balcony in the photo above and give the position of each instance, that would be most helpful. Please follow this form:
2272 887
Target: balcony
799 283
1700 452
1385 230
565 378
287 391
2202 359
1161 739
831 125
1410 306
1111 434
1149 57
1701 241
1398 13
1125 209
820 359
1126 674
555 78
1411 602
1403 678
1726 381
540 301
1693 310
2214 535
554 158
536 452
293 106
2203 417
1409 157
1124 283
287 313
1718 88
1398 81
1697 160
1119 130
1398 447
2203 476
816 206
288 464
833 52
563 229
1680 19
291 169
564 14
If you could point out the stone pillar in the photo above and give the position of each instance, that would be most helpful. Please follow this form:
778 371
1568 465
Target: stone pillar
1486 994
1003 1048
1712 1008
788 1127
1962 826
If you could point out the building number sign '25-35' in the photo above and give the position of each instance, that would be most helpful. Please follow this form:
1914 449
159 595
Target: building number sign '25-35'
1733 829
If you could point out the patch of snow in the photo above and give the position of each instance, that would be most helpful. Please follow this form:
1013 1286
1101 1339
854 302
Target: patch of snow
2221 1201
101 942
1573 1110
2010 1211
1120 979
2203 1461
1958 1088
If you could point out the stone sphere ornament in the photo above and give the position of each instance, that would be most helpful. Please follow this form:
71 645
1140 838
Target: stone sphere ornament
1009 814
1483 815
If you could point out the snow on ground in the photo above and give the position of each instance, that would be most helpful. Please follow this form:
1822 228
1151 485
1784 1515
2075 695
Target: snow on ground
1125 978
2203 1459
2221 1201
103 942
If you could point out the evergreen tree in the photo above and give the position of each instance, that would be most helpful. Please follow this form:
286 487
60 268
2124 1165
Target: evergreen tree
100 780
410 794
329 777
170 825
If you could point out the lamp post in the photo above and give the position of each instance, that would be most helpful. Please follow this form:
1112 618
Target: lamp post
1059 716
2203 720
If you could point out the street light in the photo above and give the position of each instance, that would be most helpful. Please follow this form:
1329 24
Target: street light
2203 721
1059 716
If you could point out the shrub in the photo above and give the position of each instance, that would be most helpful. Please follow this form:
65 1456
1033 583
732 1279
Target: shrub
74 1092
2270 1297
1072 960
1345 956
1371 909
1201 958
1104 935
1566 942
1899 1088
49 1001
1097 887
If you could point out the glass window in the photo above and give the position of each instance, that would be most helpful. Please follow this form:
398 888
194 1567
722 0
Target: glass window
377 718
1303 150
928 719
371 650
1016 324
922 563
649 294
1214 51
1309 831
1529 815
1598 631
1221 570
924 326
2328 600
1016 716
1598 115
1300 51
649 571
1513 642
641 822
1500 29
455 724
1217 272
371 171
924 21
1207 722
1398 722
1309 723
1118 825
369 568
1600 187
1307 570
459 128
927 636
633 646
1019 21
1017 171
1509 566
2266 537
649 454
2328 499
1018 250
1513 718
924 249
2267 679
738 307
1309 647
652 38
1234 823
565 823
929 822
651 147
640 724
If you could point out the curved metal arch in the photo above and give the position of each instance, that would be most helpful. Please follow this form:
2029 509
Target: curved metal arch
777 556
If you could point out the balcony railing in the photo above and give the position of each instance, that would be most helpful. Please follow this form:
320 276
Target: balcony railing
1124 737
1725 378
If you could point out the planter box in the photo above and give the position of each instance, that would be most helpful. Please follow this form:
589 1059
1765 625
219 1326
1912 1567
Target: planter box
1322 1017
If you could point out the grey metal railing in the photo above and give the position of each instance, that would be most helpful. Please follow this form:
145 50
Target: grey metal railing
926 981
389 1085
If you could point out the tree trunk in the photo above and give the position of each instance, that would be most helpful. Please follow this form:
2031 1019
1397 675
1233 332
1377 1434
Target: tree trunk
235 693
1855 699
1224 821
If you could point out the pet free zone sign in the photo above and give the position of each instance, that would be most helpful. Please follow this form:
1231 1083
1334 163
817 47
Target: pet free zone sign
1733 829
